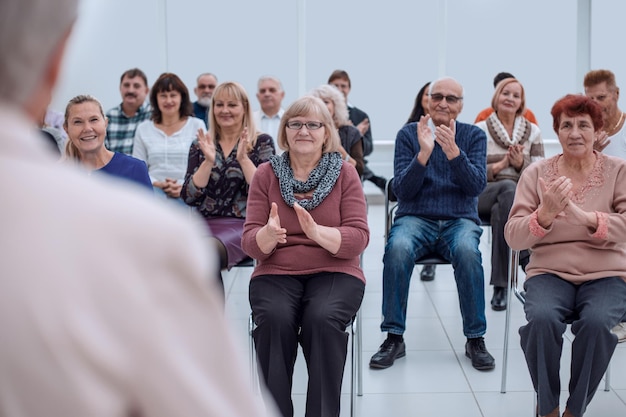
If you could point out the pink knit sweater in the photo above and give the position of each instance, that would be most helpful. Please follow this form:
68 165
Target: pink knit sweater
574 253
343 208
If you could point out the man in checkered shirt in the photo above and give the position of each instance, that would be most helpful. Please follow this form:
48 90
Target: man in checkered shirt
124 119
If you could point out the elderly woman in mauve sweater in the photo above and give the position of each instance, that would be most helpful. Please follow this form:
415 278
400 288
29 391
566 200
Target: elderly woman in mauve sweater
570 210
306 226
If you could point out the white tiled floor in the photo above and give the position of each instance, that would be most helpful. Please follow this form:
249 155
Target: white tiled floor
435 378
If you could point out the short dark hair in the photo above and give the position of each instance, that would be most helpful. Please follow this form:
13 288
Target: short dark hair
170 82
339 75
575 105
501 76
134 72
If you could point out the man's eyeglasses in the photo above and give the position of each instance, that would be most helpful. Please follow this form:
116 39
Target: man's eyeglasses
450 99
309 125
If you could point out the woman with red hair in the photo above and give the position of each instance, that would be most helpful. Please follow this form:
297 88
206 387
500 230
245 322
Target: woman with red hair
570 211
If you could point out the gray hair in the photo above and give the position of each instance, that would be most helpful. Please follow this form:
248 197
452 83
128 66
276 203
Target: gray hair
330 92
30 30
270 78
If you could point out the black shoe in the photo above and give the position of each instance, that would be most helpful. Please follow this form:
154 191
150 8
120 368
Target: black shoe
428 273
388 352
476 350
498 301
379 181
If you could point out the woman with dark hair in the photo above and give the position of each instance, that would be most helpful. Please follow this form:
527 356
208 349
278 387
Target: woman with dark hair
420 108
163 142
570 210
221 164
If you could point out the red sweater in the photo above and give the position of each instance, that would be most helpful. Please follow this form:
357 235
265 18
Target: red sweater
344 208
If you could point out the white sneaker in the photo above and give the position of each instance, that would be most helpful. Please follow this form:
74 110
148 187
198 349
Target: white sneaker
620 331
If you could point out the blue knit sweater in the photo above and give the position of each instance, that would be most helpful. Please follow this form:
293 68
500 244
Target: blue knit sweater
442 189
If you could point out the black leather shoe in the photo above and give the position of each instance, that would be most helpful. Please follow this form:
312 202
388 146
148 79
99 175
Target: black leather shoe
388 352
428 273
498 301
476 350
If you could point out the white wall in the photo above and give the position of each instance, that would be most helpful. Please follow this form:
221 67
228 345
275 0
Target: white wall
389 48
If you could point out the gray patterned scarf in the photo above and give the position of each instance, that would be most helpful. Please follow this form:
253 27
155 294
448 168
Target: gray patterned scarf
322 179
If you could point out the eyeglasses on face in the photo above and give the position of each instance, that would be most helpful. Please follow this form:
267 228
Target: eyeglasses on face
450 99
295 125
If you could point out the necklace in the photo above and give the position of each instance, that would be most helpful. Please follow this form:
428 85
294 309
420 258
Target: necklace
621 117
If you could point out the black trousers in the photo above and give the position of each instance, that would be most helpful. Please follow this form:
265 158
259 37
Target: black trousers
312 310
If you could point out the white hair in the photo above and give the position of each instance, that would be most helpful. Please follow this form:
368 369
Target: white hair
270 78
438 80
30 30
330 92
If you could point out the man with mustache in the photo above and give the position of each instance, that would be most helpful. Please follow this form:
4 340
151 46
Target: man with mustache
206 84
124 119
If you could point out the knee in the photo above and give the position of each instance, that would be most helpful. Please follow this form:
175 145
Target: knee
593 322
398 250
543 316
467 251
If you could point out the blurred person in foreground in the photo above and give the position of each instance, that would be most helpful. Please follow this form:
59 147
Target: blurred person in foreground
570 210
306 226
105 306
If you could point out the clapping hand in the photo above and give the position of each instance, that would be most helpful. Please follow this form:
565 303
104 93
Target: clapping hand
276 233
309 227
363 126
515 155
242 147
445 137
425 135
554 198
207 146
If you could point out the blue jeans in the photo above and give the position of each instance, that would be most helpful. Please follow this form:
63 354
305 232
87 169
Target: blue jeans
456 240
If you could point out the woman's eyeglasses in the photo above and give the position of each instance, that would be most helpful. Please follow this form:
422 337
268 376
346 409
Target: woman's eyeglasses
309 125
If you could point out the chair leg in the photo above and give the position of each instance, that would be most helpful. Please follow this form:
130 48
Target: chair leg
607 378
512 280
254 378
359 355
353 368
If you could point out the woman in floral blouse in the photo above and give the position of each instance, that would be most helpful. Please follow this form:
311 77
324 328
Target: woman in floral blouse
221 165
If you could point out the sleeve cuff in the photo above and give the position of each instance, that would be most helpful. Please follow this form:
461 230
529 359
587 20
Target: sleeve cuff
602 231
535 228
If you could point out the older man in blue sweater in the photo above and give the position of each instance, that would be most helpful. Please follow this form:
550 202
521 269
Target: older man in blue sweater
439 171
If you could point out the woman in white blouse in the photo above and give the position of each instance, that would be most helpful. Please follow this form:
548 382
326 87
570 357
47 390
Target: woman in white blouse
163 142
